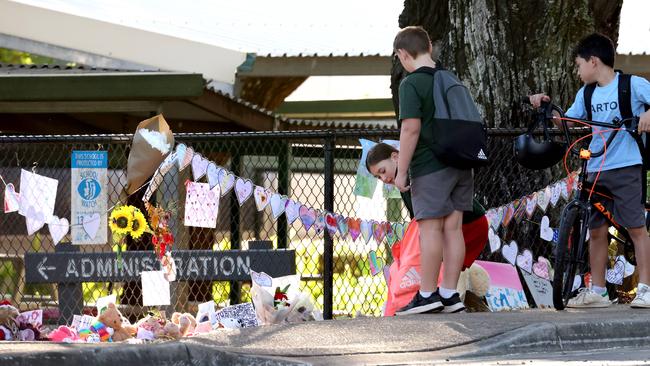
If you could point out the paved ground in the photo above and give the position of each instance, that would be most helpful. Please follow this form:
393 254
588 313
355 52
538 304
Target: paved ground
411 339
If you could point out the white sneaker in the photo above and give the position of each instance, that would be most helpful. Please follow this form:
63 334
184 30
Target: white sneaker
642 299
586 298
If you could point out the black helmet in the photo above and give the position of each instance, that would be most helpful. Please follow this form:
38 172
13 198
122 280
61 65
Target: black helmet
534 154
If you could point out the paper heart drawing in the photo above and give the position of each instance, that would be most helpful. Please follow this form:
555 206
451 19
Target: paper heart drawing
545 231
187 159
354 228
226 181
494 240
331 223
34 220
319 224
508 213
366 230
520 209
342 223
378 231
491 216
544 198
243 190
58 228
261 196
555 193
278 205
541 268
525 261
292 211
180 154
307 216
564 189
212 173
531 203
199 166
499 216
261 279
12 198
375 262
399 229
90 224
615 275
510 251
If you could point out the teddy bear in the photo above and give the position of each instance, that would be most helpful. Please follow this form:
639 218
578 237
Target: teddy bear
473 285
8 324
185 321
158 328
109 326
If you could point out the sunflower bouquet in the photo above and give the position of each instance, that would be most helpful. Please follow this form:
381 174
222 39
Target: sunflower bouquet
126 221
162 237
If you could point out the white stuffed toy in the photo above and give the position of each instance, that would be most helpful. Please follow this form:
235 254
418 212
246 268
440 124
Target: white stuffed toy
475 279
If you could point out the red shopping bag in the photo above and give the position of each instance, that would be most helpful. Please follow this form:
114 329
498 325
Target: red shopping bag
405 279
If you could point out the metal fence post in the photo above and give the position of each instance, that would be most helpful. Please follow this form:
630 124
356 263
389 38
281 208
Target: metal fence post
328 205
284 157
235 235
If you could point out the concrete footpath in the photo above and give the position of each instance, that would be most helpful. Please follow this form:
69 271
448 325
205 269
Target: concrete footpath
397 340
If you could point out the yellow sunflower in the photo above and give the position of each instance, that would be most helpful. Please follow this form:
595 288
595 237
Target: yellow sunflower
138 225
120 220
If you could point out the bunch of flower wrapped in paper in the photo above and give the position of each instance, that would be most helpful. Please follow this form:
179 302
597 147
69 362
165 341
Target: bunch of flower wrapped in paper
279 300
126 221
161 236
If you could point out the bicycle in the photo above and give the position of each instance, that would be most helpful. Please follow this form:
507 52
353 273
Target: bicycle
571 252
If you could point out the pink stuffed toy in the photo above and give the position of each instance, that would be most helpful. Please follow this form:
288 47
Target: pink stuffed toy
64 334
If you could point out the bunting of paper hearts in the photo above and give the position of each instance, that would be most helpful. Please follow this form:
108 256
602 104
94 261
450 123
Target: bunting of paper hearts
243 190
331 223
278 205
58 228
378 231
261 196
342 223
354 227
180 153
391 236
555 193
292 211
520 210
366 230
508 214
545 231
12 199
544 198
541 268
307 216
499 218
188 156
494 240
525 261
510 252
319 224
212 174
226 181
399 229
491 216
199 166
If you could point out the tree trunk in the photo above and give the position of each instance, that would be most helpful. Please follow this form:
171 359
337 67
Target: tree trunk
505 49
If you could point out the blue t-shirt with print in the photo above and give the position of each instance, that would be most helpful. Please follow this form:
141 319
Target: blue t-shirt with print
623 151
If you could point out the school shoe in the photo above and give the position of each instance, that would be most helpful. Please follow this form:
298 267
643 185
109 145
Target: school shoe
420 305
642 299
586 298
452 304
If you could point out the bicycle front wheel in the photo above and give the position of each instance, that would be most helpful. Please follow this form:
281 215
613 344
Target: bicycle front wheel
566 261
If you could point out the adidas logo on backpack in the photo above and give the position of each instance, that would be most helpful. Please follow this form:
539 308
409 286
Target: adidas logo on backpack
411 278
481 155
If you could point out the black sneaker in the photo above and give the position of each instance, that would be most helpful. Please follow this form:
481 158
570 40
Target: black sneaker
452 304
419 305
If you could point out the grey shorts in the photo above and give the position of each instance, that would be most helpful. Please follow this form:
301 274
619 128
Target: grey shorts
440 193
624 184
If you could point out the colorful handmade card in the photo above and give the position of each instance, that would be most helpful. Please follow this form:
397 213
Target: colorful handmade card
202 205
505 292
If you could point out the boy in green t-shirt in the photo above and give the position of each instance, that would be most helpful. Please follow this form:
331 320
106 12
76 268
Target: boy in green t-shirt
439 193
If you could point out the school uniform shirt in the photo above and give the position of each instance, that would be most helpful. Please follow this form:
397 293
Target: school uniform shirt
623 151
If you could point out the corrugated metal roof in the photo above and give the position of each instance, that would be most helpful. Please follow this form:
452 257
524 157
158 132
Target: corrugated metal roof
59 69
365 123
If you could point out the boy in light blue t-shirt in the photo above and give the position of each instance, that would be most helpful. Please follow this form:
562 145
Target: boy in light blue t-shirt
621 171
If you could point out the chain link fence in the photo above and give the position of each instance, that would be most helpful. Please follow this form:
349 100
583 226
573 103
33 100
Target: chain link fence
316 168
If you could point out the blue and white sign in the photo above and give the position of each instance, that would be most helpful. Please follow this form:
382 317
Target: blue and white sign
89 197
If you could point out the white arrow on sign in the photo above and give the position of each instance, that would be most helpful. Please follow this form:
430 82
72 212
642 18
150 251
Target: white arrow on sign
42 268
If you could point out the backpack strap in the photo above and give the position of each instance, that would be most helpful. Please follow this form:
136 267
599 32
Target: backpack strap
625 95
587 93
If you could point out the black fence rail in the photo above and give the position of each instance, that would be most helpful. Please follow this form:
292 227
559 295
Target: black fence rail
315 168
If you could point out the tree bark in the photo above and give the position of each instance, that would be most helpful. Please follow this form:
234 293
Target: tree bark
505 49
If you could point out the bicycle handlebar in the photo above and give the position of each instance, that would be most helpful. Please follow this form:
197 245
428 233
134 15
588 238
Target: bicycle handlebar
546 110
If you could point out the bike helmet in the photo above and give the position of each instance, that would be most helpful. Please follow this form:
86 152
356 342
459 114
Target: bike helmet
534 154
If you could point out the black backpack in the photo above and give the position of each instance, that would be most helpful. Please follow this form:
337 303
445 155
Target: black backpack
625 106
459 132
